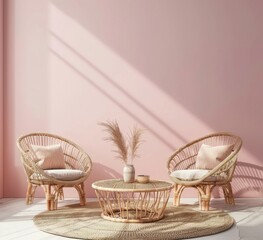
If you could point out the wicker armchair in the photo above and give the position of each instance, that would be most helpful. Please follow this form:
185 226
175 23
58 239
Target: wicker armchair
221 175
76 160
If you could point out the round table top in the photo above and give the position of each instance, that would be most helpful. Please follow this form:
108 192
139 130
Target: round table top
118 185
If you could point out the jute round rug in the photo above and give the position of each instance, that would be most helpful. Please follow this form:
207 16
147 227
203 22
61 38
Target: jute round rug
86 223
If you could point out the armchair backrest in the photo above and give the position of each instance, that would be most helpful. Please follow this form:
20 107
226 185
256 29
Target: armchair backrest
185 157
75 157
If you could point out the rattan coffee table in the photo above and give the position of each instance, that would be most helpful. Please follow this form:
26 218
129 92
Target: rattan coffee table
132 202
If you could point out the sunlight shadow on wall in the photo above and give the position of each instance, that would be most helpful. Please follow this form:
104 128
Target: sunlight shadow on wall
247 181
111 97
121 83
103 172
108 77
247 178
121 89
206 56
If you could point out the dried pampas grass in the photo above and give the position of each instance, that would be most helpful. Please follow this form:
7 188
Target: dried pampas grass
134 142
124 150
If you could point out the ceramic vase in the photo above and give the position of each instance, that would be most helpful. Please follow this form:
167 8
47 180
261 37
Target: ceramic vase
129 173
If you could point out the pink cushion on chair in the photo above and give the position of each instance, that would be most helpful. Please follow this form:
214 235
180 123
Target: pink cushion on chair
49 157
209 157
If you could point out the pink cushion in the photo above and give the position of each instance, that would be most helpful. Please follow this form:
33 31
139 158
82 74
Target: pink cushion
49 157
209 157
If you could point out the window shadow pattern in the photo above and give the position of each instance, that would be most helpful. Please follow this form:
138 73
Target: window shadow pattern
247 177
111 97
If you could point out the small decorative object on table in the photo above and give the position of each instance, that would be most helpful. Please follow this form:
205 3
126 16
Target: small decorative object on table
129 173
143 178
126 151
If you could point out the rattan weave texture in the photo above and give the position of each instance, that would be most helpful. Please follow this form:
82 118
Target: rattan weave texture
86 223
185 158
75 158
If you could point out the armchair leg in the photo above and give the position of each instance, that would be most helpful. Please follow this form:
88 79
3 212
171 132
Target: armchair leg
58 195
178 189
81 192
51 201
31 188
205 196
228 193
59 192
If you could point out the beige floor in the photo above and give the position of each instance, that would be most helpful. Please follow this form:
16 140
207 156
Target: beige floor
16 219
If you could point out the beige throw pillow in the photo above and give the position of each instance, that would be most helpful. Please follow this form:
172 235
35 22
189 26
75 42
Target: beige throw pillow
49 157
209 157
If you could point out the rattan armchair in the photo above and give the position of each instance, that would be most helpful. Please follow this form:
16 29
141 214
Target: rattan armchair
221 175
75 159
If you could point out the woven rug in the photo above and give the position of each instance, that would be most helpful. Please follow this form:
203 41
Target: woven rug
86 223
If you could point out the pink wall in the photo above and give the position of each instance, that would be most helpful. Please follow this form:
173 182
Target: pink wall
1 101
180 69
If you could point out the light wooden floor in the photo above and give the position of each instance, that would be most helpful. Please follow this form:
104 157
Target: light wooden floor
16 219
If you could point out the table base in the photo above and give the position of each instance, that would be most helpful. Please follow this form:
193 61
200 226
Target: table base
132 216
136 207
